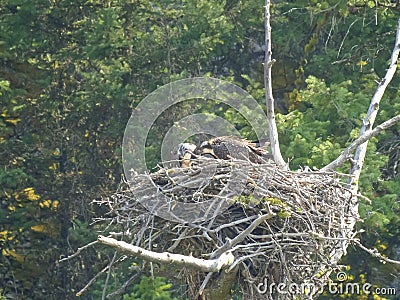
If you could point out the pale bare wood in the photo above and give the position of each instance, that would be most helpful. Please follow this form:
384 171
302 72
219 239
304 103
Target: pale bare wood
205 265
269 98
346 154
358 161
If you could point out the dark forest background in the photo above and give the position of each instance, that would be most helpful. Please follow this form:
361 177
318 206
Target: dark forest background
72 71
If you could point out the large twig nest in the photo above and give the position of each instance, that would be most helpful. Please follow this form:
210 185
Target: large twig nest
281 226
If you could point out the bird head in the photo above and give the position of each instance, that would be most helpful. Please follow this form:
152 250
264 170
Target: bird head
185 153
184 149
205 144
206 150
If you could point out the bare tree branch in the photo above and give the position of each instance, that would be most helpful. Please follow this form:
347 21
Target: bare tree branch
375 253
89 284
358 161
78 251
371 115
123 288
211 265
268 62
230 243
103 296
345 155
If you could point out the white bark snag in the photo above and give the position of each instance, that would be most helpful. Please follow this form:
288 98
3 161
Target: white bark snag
210 265
359 156
369 120
268 62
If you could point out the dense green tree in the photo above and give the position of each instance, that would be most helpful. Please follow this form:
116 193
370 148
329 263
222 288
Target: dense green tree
151 289
71 71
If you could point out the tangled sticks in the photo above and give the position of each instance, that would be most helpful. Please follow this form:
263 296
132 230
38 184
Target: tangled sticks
281 226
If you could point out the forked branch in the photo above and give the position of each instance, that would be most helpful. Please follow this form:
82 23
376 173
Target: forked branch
359 156
369 120
346 154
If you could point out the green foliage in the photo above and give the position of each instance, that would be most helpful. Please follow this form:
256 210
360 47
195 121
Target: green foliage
2 297
151 289
73 70
314 135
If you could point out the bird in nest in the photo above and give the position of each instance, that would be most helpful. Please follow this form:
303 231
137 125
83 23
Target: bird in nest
223 147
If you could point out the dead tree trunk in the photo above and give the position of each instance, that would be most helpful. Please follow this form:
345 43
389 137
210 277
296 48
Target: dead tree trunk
358 160
268 62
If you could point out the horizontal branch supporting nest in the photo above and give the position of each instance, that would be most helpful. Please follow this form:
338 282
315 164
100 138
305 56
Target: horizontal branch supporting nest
205 265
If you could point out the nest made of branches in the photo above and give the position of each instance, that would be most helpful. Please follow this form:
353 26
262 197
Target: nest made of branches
281 226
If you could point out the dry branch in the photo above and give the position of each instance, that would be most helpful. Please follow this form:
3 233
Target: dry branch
377 254
346 154
239 238
366 131
78 251
211 265
358 160
369 120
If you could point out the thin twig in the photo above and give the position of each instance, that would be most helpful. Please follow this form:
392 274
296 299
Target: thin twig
122 289
78 251
375 253
230 243
344 38
78 294
204 283
103 296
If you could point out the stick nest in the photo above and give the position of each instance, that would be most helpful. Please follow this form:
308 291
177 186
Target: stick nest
281 226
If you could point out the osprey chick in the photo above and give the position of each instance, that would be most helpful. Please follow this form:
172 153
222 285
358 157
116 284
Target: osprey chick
231 147
185 154
224 147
